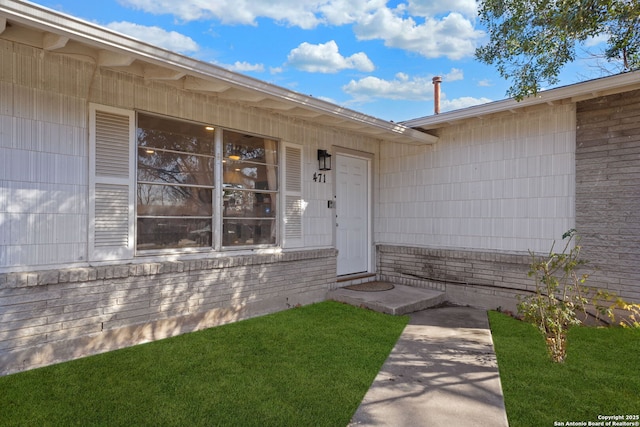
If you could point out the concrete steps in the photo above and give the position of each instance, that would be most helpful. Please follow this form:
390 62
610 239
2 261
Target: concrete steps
397 301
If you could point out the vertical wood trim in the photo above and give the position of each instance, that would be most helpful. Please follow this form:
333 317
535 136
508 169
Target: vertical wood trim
218 194
111 183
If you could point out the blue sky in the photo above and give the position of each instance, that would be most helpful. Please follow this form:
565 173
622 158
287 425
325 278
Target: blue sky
377 57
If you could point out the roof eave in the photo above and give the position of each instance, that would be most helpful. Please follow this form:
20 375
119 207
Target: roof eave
45 19
574 93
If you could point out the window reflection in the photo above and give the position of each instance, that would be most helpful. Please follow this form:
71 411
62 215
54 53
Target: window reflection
250 185
250 176
158 233
160 132
249 204
239 146
174 168
171 200
248 232
175 184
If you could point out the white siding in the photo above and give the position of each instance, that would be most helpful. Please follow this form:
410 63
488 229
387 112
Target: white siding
44 150
319 220
43 157
43 188
505 183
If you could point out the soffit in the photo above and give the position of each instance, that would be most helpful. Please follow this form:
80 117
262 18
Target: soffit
40 27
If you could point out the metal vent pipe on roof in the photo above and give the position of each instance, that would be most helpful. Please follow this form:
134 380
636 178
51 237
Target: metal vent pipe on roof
436 94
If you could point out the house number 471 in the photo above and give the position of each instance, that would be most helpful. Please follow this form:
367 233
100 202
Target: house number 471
319 177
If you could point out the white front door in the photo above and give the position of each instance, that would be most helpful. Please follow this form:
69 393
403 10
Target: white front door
352 214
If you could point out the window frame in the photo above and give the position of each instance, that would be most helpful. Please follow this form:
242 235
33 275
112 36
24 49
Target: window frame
275 204
217 219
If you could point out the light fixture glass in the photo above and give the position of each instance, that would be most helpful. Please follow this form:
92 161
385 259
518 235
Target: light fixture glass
324 160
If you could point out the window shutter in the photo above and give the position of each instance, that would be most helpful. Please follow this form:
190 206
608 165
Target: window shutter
293 202
112 183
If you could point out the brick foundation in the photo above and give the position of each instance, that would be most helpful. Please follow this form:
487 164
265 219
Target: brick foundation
477 278
56 315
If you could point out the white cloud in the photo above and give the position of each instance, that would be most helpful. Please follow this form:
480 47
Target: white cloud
343 12
402 87
245 66
463 102
453 75
432 28
485 83
170 40
467 8
325 98
453 36
305 14
326 58
299 13
596 40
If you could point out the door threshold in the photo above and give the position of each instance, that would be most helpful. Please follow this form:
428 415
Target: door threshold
362 277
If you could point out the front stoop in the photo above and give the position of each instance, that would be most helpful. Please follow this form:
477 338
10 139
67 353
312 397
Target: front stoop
397 301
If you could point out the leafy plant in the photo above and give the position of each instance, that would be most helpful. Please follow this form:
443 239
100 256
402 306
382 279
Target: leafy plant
600 374
627 313
559 297
632 319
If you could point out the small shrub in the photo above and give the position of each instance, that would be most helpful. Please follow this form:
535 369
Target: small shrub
632 319
561 300
627 313
558 297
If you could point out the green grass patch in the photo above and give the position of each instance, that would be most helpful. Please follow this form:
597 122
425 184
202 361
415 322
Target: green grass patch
599 377
305 366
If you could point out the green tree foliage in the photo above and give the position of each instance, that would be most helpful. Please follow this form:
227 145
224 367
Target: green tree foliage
531 40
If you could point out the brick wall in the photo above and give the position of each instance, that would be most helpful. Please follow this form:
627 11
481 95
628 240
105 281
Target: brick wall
57 315
608 190
478 278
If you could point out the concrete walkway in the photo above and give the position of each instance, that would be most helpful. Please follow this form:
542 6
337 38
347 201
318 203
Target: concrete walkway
441 372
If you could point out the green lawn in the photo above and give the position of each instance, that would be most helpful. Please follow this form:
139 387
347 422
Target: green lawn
601 375
304 366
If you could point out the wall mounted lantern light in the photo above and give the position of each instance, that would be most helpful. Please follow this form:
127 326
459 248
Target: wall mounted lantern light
324 160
